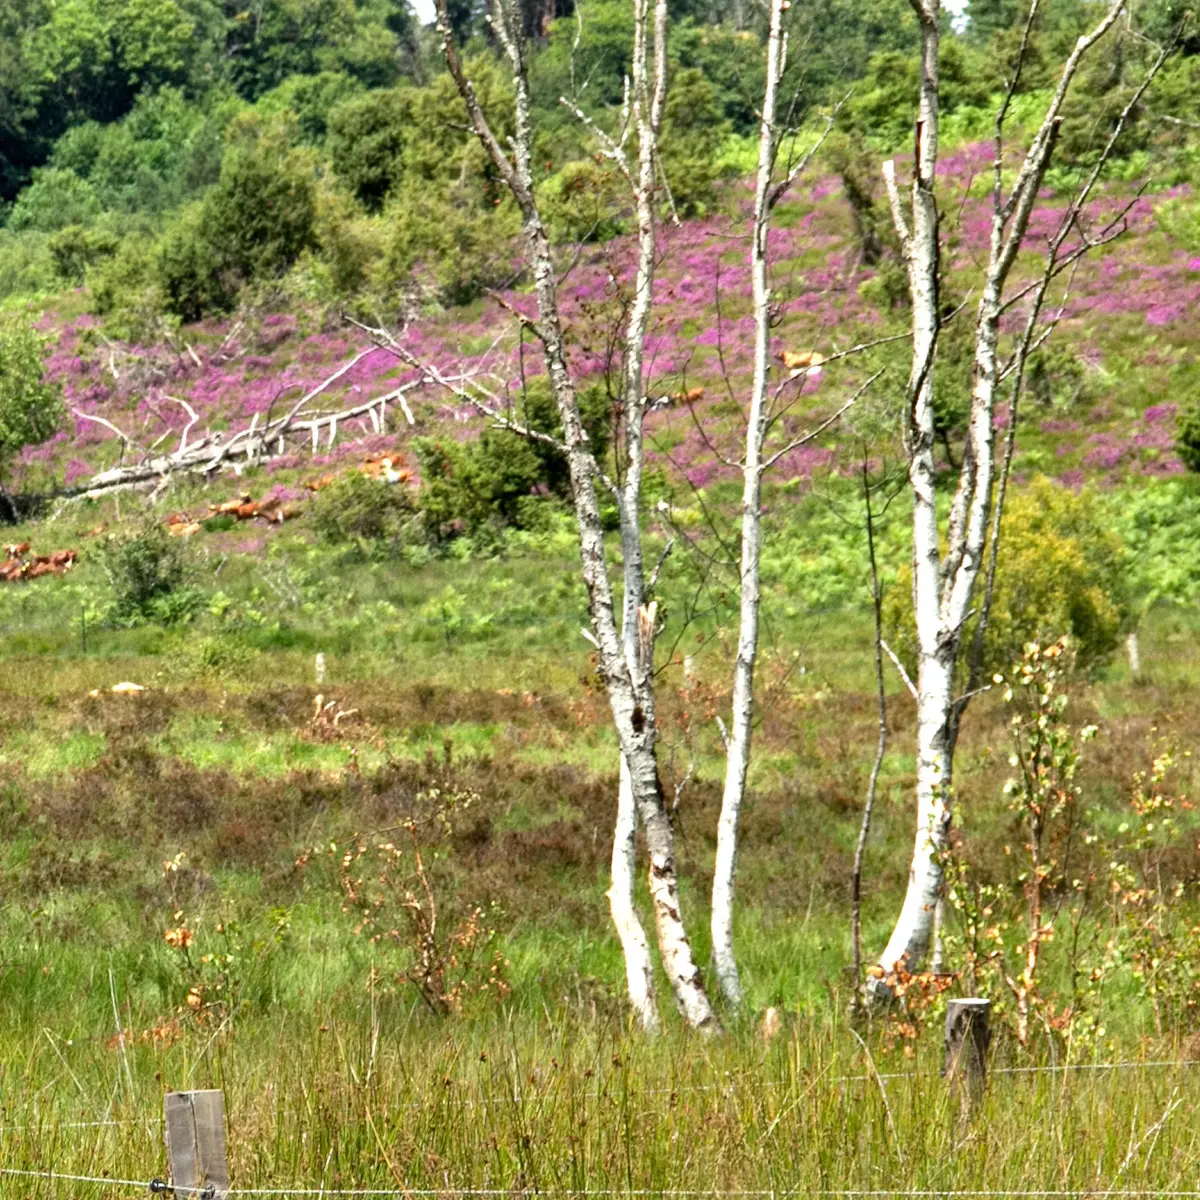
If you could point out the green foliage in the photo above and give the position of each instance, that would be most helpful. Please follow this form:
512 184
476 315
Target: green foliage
1187 438
1060 568
252 225
56 198
584 201
356 509
693 126
444 235
310 100
75 249
367 137
188 269
31 407
884 102
1157 521
261 213
504 477
149 575
162 153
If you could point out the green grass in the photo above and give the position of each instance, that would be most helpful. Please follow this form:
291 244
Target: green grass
334 1072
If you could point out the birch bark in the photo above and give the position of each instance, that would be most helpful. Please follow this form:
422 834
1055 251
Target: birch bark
629 684
943 587
737 759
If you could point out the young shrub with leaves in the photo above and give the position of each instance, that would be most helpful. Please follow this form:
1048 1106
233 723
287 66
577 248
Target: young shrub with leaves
358 510
31 407
1187 433
504 478
1159 934
404 898
1060 568
150 577
1005 924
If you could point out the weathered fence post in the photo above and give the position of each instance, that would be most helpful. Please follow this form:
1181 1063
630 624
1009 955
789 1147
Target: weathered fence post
195 1133
968 1033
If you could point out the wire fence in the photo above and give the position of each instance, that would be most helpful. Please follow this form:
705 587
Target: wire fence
155 1185
695 1089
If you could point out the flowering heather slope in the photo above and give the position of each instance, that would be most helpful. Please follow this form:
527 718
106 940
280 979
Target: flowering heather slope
1129 322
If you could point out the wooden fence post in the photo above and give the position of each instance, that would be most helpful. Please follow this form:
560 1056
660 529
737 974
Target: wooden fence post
968 1033
195 1133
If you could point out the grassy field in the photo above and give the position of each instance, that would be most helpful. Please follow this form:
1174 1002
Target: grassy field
209 802
178 867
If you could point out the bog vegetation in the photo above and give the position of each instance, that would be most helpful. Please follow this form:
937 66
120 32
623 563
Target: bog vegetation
449 468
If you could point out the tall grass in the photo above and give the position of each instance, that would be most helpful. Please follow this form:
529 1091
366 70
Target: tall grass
370 1096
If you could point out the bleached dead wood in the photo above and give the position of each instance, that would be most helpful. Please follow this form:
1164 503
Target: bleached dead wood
262 440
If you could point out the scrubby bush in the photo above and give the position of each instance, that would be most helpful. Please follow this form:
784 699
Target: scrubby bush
76 248
444 236
584 201
504 478
1187 434
693 126
31 407
54 199
261 214
357 509
253 225
189 268
1060 570
150 577
367 137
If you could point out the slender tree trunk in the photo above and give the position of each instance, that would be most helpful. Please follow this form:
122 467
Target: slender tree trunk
943 586
639 970
737 759
630 687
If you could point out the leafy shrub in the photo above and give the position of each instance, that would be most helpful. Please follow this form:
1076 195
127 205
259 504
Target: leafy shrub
31 406
584 201
692 125
56 198
358 509
1060 570
367 137
149 574
1187 434
445 235
76 248
261 214
312 100
252 225
189 268
503 478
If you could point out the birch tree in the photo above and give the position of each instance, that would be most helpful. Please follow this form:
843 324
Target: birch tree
626 646
944 584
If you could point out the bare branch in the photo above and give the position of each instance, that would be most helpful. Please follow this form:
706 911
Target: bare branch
908 683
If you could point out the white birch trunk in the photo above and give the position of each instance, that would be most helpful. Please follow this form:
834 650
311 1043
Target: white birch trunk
910 938
629 685
737 758
943 588
639 970
1135 653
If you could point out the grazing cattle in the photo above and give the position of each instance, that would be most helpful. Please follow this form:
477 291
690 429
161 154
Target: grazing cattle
231 507
804 360
388 467
690 396
16 549
320 484
184 528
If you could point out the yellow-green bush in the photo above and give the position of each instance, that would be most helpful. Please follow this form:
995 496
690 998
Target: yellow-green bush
1060 570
